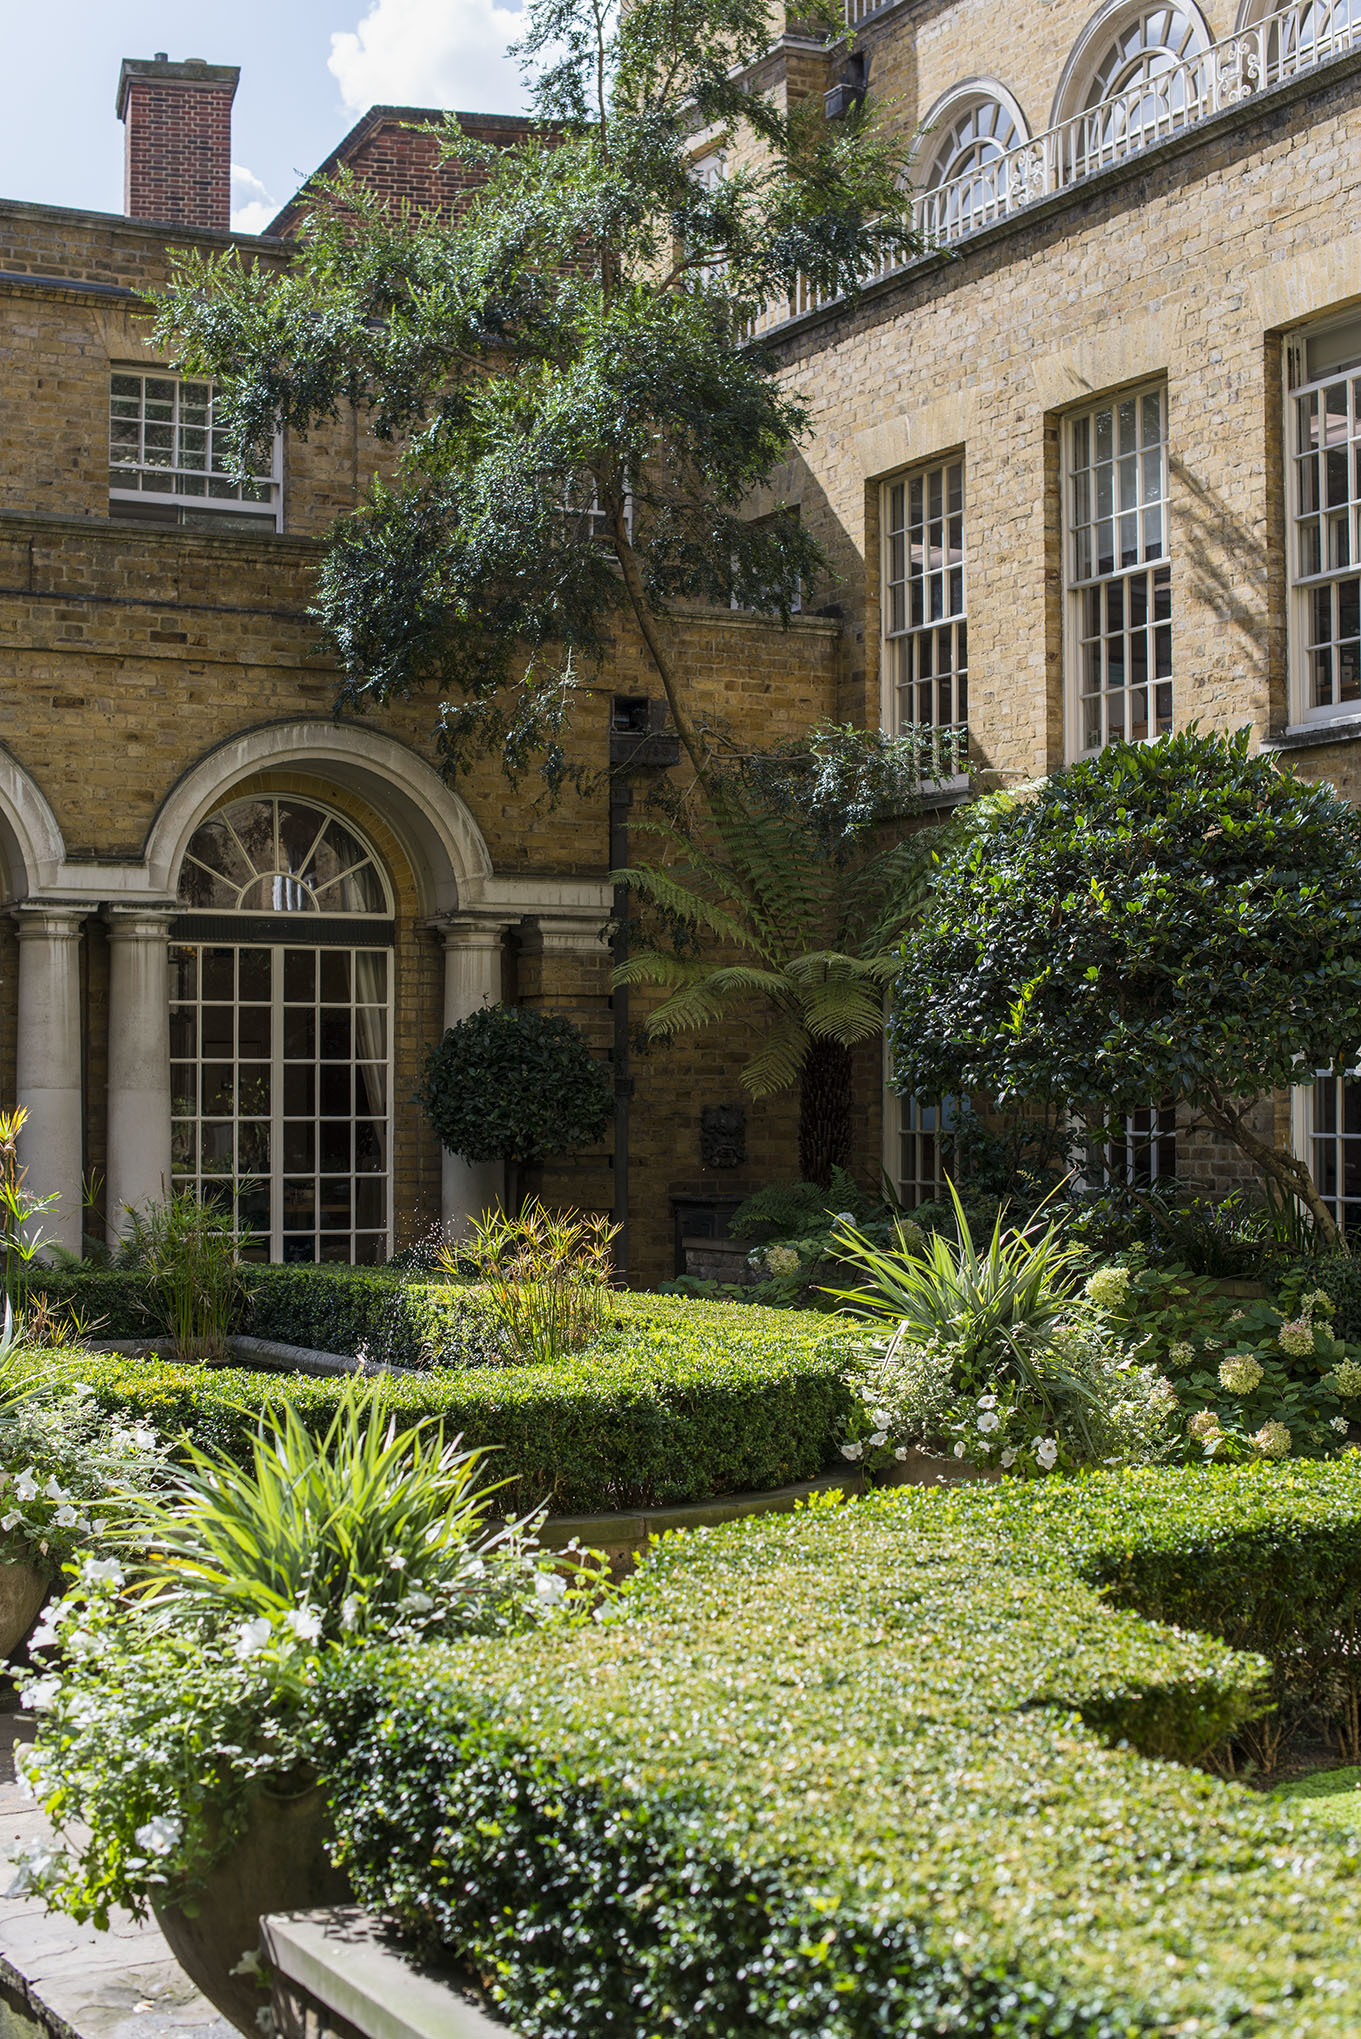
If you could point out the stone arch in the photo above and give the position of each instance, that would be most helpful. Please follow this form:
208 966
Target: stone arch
32 851
1185 30
435 828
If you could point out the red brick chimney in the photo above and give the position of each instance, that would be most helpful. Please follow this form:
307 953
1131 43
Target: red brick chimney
178 139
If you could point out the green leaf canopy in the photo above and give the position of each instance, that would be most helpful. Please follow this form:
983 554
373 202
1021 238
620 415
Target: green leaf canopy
1180 917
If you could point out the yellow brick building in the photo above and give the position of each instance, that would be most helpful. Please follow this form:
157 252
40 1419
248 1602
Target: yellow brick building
1091 467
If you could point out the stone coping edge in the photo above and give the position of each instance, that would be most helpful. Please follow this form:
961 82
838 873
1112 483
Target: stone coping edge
342 1960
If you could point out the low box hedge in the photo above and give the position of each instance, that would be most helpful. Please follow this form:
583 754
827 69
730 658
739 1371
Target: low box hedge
680 1401
397 1320
895 1767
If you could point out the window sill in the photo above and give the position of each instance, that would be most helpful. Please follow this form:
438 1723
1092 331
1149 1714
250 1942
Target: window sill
951 792
1309 735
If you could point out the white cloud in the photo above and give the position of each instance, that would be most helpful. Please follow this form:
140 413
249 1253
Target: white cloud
252 206
430 53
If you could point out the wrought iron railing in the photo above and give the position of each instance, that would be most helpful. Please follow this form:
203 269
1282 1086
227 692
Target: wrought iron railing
1294 39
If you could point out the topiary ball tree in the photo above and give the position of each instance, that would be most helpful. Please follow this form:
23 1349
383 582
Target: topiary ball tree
1178 917
515 1085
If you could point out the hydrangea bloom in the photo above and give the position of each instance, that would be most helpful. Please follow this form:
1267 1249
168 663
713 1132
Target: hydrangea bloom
1347 1378
1108 1287
1296 1338
1240 1373
1272 1440
1204 1424
782 1259
1181 1352
1162 1394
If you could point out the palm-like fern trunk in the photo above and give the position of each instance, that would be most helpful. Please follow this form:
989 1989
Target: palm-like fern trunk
825 1111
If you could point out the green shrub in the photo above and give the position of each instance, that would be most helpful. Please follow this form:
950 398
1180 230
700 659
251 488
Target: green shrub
395 1320
682 1401
878 1769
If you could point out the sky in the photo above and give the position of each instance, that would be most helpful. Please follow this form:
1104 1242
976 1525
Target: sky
309 68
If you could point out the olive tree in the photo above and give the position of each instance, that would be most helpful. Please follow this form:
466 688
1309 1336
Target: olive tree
1177 918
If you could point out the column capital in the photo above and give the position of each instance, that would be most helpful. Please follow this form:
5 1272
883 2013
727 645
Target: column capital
53 920
149 922
472 930
564 934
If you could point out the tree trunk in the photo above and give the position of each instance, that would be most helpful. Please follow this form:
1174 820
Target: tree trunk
825 1126
1286 1170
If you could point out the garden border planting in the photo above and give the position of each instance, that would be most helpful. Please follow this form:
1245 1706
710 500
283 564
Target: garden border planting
755 1791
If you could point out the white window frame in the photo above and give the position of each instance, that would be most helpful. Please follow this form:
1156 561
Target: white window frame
1309 580
196 479
1129 600
1149 1143
898 1127
928 606
275 1175
1302 1138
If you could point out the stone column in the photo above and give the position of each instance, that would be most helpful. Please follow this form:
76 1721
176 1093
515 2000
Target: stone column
139 1059
472 978
48 1065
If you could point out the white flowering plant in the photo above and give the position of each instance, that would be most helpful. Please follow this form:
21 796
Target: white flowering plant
920 1397
65 1468
193 1668
1254 1378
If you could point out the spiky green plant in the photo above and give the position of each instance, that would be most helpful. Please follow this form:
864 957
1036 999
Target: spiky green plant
547 1272
995 1308
365 1530
190 1251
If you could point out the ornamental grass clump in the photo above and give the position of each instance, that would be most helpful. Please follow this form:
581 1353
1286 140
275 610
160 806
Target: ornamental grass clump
547 1275
368 1530
190 1253
188 1671
993 1357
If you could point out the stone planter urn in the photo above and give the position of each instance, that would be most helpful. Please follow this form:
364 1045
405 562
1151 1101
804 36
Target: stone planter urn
23 1589
277 1864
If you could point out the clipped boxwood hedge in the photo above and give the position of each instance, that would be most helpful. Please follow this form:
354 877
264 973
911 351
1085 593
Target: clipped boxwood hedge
681 1401
395 1319
896 1767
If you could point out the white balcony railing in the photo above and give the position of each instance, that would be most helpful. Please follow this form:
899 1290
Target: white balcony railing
1294 39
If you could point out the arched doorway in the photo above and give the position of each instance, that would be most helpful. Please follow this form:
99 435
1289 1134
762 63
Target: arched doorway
281 982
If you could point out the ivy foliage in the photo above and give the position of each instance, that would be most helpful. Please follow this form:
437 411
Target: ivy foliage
512 1084
901 1766
1177 918
565 365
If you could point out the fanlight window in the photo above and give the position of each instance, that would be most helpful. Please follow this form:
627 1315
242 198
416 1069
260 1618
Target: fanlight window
973 140
280 855
1154 41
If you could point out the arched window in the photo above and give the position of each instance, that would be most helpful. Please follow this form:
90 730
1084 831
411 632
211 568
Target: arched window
1132 78
280 1029
280 855
968 134
1293 39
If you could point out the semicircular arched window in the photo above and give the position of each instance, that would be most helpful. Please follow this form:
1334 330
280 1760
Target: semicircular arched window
276 853
1153 41
966 171
975 137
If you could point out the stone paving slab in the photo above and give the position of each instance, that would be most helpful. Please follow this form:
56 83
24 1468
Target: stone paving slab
60 1980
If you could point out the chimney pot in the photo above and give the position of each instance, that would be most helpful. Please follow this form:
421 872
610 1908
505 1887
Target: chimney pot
161 57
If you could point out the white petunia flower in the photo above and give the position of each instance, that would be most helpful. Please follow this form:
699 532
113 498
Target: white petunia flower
852 1451
1008 1459
879 1437
252 1637
1046 1452
26 1486
305 1623
160 1834
989 1420
349 1610
549 1587
102 1572
41 1694
987 1401
66 1517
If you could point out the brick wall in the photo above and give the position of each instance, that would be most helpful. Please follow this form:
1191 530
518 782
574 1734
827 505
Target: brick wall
391 152
178 140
